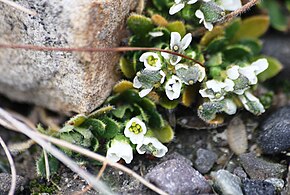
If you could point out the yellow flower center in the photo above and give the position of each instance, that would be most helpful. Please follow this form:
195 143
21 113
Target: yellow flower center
135 128
175 48
152 61
218 95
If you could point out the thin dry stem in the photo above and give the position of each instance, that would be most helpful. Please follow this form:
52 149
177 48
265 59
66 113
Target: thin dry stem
46 162
12 167
39 138
19 7
116 49
239 11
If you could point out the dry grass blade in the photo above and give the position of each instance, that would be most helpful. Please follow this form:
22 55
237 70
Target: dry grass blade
20 127
19 7
12 167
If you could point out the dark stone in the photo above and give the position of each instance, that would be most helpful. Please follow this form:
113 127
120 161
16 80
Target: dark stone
176 176
258 187
226 183
275 132
278 45
5 183
240 172
205 159
259 168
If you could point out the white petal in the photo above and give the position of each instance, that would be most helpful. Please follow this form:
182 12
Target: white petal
161 149
230 5
136 83
199 15
174 39
233 72
249 73
229 85
206 0
119 150
208 25
185 42
169 94
201 73
156 34
165 55
192 1
163 76
260 65
144 56
112 156
230 107
176 8
178 59
179 66
241 91
145 92
215 85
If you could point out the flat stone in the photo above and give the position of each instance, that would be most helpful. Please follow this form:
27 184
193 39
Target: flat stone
275 132
259 168
5 183
175 176
78 81
227 183
205 159
258 187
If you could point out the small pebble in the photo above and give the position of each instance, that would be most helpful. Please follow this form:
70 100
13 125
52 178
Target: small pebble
259 168
227 183
278 183
205 160
258 187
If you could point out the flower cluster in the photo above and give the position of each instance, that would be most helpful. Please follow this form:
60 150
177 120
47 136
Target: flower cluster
163 68
202 14
238 82
135 134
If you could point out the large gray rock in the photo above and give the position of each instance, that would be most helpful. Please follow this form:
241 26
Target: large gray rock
62 81
5 183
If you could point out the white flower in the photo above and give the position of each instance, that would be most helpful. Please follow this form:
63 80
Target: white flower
120 149
173 87
156 34
189 75
152 146
246 76
137 84
251 103
151 61
230 5
135 130
199 14
177 45
216 90
179 5
229 107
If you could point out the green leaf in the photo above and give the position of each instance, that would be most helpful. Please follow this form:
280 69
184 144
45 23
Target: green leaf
122 86
208 110
177 26
95 144
141 112
102 111
96 126
277 18
211 35
165 134
112 127
237 52
215 60
52 162
254 44
274 68
161 4
127 68
168 104
86 133
147 104
139 24
66 129
77 120
253 27
216 45
121 110
232 28
188 96
155 119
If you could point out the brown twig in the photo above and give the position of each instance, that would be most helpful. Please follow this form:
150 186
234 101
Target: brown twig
12 167
19 7
8 121
238 12
116 49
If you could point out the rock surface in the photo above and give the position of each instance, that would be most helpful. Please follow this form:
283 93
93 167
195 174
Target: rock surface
5 183
275 132
62 81
176 176
227 183
258 187
259 168
205 160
